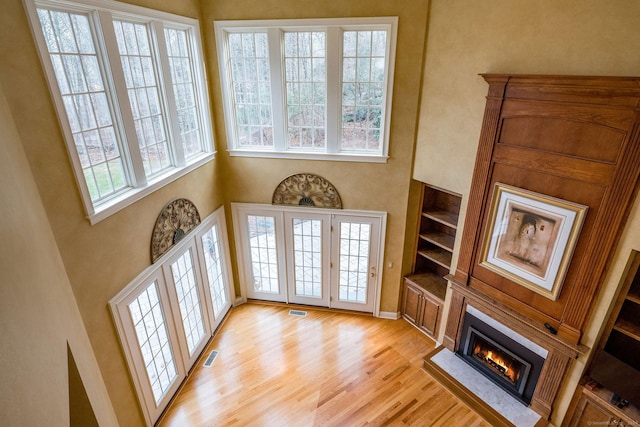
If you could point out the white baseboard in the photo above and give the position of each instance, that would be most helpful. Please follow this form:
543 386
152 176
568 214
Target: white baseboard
393 315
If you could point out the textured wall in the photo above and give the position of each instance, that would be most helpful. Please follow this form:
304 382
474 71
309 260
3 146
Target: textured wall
503 36
38 311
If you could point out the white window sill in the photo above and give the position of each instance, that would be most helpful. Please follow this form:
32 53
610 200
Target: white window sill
337 157
132 195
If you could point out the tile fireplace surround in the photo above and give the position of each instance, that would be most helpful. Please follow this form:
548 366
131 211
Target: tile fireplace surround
558 353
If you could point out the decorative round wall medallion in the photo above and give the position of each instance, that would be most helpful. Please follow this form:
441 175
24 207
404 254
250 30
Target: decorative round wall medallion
307 189
174 222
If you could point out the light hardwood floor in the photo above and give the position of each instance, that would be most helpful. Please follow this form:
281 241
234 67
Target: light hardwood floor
325 369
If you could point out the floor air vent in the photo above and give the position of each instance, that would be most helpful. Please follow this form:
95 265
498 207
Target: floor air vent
298 313
212 358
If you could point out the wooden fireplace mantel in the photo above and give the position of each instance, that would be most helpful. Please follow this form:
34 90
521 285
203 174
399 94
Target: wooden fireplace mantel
560 355
576 139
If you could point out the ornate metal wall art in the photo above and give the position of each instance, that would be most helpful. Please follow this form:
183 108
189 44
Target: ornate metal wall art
176 219
307 189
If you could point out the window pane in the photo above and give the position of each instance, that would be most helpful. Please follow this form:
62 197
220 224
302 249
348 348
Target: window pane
148 320
213 260
307 251
305 77
188 300
138 65
88 109
264 260
184 90
363 65
354 262
249 62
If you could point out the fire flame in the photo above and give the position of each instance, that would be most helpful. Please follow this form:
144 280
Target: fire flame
497 362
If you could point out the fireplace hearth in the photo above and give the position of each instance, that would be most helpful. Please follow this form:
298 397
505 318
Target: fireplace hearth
500 355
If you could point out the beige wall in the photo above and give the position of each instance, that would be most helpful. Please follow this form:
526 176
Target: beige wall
100 259
38 315
467 37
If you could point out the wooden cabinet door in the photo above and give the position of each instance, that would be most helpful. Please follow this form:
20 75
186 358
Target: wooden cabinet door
429 316
589 413
411 303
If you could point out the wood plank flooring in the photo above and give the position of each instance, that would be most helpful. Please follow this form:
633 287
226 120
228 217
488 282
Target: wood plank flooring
325 369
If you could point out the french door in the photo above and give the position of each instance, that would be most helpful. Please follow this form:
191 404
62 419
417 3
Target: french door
167 314
307 238
355 244
309 256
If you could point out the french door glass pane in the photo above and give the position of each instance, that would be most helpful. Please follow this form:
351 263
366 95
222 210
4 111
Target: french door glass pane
188 300
184 89
354 262
305 77
148 319
307 249
264 259
140 79
82 88
213 262
363 89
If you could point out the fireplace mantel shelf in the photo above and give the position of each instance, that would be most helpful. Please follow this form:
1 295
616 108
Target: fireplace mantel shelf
519 322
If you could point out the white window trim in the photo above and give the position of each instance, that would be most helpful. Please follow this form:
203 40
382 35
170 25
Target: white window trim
332 25
140 186
160 272
241 210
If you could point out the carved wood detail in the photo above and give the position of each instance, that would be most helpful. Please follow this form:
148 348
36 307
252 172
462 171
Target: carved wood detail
549 383
453 324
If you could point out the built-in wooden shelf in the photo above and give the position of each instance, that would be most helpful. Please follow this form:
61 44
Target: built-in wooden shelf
430 282
443 240
633 298
628 328
450 219
424 290
437 255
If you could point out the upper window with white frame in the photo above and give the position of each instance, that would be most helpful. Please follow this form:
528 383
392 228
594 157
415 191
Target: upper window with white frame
130 92
311 88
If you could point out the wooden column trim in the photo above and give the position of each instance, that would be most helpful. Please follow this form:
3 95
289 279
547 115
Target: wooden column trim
549 383
490 123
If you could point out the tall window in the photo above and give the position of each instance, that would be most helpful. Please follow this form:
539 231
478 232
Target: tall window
130 96
317 89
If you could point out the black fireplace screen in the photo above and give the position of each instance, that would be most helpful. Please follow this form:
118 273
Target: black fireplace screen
504 361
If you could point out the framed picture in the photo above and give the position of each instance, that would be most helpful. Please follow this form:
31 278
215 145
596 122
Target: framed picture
530 238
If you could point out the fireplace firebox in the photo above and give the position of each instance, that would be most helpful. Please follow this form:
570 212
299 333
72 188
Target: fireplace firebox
503 359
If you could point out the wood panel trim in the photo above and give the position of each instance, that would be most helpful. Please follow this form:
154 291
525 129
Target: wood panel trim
454 320
513 319
488 133
549 383
616 207
554 164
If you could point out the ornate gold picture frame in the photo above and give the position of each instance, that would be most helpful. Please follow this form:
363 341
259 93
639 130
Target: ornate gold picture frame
530 238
